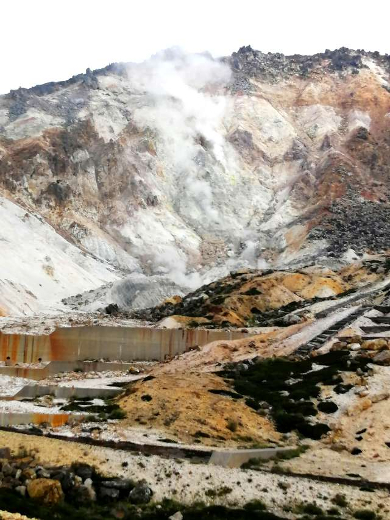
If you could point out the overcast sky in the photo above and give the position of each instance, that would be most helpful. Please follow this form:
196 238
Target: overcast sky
50 40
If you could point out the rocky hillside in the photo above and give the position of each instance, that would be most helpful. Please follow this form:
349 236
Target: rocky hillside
187 167
250 297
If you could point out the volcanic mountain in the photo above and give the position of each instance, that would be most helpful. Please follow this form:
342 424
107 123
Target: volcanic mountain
177 170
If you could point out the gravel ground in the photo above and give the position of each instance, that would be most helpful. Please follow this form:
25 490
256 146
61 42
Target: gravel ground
4 515
187 482
11 385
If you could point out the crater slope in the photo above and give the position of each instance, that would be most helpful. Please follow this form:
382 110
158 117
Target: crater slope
187 167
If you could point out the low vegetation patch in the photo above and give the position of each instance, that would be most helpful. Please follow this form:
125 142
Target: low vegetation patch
290 388
213 493
256 463
98 412
255 505
327 407
340 500
292 454
226 393
333 511
13 502
365 514
232 425
309 509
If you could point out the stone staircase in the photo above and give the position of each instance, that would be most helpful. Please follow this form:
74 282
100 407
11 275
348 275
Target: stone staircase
327 334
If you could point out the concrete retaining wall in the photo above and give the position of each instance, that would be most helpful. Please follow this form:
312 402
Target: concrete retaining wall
54 419
235 458
62 392
115 343
55 367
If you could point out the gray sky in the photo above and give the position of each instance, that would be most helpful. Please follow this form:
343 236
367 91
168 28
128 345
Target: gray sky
50 40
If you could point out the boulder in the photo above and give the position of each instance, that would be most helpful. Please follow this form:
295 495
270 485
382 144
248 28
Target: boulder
29 474
382 358
21 490
7 469
375 344
83 470
42 473
68 481
291 319
58 475
46 491
353 339
91 491
118 483
112 309
141 494
339 345
354 346
10 482
83 494
5 453
176 516
108 493
380 396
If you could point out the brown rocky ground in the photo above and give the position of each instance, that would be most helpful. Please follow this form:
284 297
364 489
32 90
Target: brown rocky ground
178 401
211 357
181 407
255 297
358 444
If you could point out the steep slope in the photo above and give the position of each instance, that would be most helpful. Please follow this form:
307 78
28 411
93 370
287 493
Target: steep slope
38 266
188 167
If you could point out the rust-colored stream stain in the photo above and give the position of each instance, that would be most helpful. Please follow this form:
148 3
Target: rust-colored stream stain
54 420
71 344
58 349
10 345
23 348
170 345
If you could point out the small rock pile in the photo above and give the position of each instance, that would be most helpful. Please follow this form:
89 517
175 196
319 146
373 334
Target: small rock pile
355 223
78 484
377 349
276 66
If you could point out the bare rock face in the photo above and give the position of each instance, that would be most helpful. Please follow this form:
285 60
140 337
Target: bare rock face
185 167
45 491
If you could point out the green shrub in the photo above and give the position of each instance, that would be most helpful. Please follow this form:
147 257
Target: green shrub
213 493
340 500
118 413
311 509
255 505
232 425
292 454
327 407
289 387
364 514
